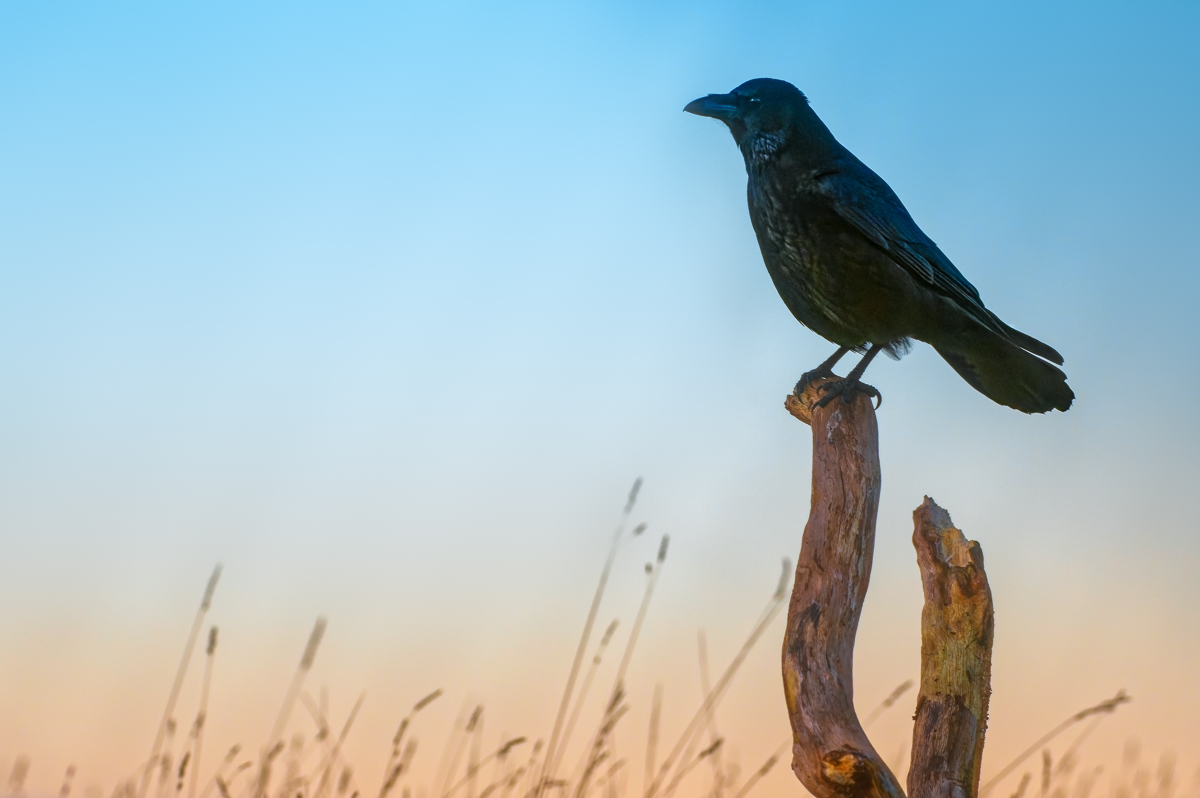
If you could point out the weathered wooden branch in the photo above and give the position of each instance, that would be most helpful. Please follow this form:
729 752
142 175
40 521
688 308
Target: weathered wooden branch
956 659
831 754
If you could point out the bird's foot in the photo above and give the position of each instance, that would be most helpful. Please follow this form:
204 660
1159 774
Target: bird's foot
809 377
846 389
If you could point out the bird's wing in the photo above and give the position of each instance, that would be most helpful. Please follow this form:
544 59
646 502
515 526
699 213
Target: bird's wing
864 200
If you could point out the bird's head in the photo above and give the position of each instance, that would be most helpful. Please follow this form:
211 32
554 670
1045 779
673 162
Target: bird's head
763 115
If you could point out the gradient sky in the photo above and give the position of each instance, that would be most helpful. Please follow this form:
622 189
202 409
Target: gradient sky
384 306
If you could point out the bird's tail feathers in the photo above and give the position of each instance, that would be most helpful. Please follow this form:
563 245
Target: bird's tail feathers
1006 373
1028 342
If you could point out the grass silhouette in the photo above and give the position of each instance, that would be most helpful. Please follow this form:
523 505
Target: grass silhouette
534 767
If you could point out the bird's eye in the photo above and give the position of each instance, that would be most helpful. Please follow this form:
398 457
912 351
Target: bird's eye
755 101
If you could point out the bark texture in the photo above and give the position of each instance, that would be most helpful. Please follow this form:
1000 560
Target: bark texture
831 754
956 659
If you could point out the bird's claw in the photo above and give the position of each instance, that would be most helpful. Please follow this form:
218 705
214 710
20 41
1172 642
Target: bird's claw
808 378
846 389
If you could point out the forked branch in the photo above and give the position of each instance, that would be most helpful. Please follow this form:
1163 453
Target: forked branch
831 754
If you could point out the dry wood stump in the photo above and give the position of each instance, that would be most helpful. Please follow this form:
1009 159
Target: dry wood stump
831 754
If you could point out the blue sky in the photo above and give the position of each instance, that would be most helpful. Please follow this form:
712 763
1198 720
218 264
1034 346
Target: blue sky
385 305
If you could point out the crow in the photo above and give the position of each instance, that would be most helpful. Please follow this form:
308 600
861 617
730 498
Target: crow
851 264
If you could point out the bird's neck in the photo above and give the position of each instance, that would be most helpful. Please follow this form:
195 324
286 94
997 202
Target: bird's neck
806 145
760 149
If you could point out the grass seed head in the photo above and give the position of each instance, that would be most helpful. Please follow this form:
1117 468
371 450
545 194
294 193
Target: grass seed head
211 588
633 495
314 640
427 700
608 633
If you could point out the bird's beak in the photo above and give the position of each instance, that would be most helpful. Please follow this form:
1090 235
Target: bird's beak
718 106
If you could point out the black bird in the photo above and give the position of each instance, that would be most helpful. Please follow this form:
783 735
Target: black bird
852 265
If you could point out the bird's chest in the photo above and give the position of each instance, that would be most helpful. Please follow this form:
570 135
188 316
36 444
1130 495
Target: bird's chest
792 234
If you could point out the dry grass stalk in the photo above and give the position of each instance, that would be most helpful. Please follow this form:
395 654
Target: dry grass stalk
552 747
1023 786
684 771
230 755
713 698
395 766
264 771
886 703
1103 708
454 750
758 775
334 754
320 715
293 782
289 702
399 768
585 689
183 766
653 570
652 736
598 752
164 760
202 713
608 782
225 785
529 772
180 672
473 759
1071 755
498 755
719 776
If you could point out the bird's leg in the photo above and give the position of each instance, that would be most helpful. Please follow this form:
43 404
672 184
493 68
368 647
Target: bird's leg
849 386
823 370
